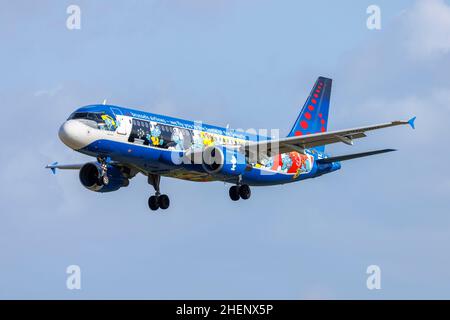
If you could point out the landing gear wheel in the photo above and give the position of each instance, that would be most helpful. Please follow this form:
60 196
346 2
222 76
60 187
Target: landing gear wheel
245 192
234 193
158 200
105 180
153 203
163 201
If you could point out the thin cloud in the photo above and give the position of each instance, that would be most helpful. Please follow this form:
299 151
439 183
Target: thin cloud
428 23
48 92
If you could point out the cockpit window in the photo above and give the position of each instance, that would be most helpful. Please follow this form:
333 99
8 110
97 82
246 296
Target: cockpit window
97 120
78 115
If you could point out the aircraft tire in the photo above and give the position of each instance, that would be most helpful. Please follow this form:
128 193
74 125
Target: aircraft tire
234 193
164 201
245 192
153 203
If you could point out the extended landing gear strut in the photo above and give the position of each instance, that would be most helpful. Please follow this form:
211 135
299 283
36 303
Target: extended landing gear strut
240 191
158 200
103 179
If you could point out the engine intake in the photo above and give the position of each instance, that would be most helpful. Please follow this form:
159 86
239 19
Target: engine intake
90 178
221 160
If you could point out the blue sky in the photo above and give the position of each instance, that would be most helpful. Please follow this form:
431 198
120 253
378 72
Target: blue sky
249 64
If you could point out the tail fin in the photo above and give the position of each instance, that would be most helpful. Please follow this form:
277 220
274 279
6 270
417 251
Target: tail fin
313 117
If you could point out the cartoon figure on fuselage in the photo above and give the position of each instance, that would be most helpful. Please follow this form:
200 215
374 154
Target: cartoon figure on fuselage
197 141
286 162
207 139
178 139
109 122
155 134
307 161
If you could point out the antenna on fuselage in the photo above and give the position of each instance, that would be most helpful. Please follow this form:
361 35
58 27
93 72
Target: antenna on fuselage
104 102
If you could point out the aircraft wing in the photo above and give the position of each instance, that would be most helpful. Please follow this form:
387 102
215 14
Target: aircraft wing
299 143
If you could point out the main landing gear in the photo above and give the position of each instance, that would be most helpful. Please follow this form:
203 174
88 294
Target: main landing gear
240 191
158 200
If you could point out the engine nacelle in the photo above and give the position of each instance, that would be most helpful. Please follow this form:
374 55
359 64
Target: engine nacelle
221 160
90 178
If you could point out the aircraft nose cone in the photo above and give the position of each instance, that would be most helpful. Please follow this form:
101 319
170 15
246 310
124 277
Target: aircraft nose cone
73 133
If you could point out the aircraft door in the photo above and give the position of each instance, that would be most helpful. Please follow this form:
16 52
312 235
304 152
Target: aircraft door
124 123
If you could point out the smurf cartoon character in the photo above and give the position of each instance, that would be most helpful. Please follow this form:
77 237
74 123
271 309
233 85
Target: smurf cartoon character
267 163
109 122
178 138
307 163
197 141
207 139
286 162
296 162
155 135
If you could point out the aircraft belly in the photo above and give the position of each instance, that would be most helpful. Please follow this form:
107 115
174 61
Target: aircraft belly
182 173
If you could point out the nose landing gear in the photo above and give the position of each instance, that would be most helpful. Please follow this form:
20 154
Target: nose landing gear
158 201
103 179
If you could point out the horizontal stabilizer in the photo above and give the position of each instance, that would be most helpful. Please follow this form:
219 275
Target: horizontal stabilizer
55 166
411 122
353 156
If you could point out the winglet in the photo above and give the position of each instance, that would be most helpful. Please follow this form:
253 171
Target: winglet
411 122
52 167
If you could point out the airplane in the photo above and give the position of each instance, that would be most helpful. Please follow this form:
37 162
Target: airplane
126 142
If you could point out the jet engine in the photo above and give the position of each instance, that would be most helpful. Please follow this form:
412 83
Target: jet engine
221 160
91 178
